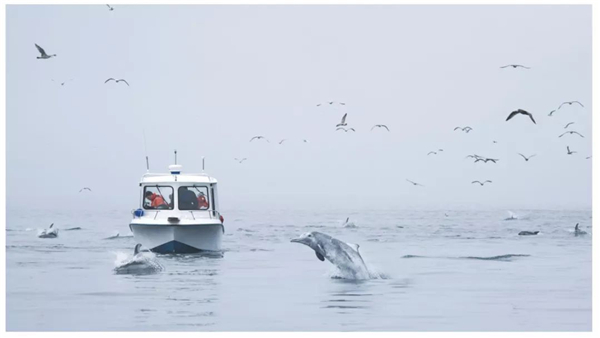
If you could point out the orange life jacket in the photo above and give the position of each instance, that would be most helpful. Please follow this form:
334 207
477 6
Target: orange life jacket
157 200
202 203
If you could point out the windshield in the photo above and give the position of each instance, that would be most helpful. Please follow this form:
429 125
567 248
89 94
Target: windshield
158 197
193 197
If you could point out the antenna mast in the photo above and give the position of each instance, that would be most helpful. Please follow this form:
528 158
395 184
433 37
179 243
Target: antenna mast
202 163
146 150
175 156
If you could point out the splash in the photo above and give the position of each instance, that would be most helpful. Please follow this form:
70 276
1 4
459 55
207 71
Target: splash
141 264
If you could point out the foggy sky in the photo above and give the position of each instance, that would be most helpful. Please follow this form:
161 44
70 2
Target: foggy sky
205 79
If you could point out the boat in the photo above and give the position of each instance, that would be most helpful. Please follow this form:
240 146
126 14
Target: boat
178 213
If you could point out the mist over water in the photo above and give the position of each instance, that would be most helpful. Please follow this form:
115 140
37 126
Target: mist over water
469 271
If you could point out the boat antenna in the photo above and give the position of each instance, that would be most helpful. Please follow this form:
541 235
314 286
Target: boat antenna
146 151
202 163
175 156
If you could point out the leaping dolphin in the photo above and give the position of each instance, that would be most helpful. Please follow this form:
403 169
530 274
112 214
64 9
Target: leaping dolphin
343 255
139 264
49 233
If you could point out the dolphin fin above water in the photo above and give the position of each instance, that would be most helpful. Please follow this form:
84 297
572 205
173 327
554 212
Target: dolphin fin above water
136 250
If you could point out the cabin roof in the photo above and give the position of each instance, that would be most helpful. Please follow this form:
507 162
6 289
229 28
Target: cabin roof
181 178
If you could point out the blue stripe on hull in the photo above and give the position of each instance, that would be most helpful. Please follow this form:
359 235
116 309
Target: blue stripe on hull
174 247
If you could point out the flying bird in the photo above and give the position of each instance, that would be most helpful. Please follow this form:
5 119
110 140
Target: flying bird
515 66
86 188
305 141
318 105
485 160
520 111
568 124
63 83
569 152
380 126
431 152
242 160
570 132
415 183
551 113
43 53
119 80
465 129
343 122
110 8
481 183
525 157
570 103
346 130
258 138
280 142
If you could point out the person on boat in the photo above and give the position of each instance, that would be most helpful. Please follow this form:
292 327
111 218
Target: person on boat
155 200
187 199
202 202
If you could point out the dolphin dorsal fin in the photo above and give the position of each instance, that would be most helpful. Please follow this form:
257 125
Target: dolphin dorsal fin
136 250
51 226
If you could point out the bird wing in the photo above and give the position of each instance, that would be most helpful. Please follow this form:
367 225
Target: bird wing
431 152
344 118
551 113
342 103
457 128
522 66
562 104
531 117
574 132
475 182
384 126
523 156
352 129
88 189
561 135
255 137
41 50
568 150
487 181
124 81
512 114
340 128
568 124
577 103
109 80
505 66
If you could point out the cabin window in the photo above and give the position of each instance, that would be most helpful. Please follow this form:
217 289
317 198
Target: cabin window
194 197
158 197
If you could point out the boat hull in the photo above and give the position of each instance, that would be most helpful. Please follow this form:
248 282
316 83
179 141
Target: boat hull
188 238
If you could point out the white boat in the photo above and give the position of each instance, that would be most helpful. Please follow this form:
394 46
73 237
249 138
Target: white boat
178 213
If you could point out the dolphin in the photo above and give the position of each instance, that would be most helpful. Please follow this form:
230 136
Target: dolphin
344 256
139 264
528 233
348 224
49 233
579 232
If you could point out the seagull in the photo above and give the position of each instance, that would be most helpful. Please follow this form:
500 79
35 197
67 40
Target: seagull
481 182
119 80
63 83
551 112
343 122
475 156
280 142
346 130
242 160
415 183
43 53
569 152
520 111
570 103
380 126
515 66
568 124
305 141
465 129
110 8
525 157
86 188
485 160
258 138
431 152
570 132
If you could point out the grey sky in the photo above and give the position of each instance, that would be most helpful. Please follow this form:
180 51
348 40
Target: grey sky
205 79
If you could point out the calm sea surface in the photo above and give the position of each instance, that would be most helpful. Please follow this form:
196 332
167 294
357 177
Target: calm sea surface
468 271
